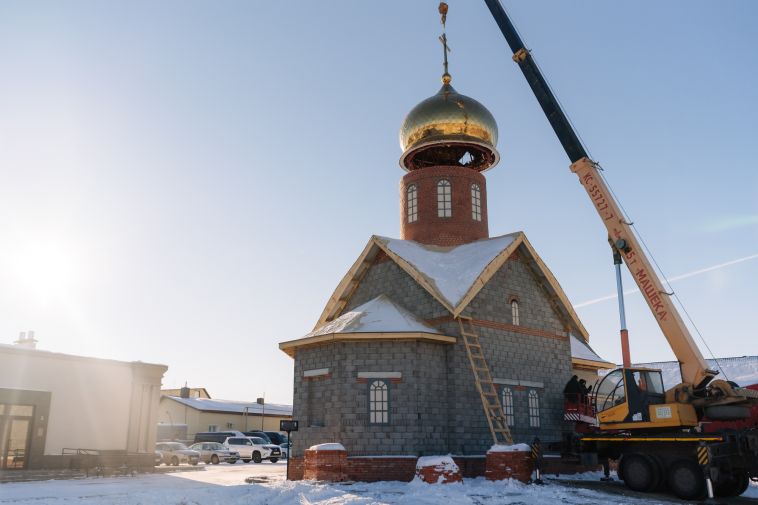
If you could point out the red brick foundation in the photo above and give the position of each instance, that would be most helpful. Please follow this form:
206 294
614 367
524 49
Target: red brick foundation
329 465
509 465
296 468
386 468
373 469
439 473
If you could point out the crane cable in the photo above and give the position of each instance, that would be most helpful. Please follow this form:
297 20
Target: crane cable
624 212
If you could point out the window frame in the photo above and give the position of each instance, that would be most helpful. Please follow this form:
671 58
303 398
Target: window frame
506 402
476 202
371 403
515 312
411 203
533 401
444 199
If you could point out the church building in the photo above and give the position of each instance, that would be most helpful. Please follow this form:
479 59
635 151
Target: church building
432 342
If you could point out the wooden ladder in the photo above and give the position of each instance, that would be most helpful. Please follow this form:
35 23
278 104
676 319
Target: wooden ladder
490 400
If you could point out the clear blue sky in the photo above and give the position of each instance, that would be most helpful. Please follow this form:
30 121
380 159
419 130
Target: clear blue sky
186 182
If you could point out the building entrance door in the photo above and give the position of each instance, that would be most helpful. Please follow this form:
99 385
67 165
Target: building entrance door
15 435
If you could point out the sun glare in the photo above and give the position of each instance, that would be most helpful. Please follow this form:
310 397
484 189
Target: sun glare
47 270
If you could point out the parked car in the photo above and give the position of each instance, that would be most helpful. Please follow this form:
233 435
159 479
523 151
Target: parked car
216 436
214 453
253 448
276 437
175 453
158 458
285 448
259 434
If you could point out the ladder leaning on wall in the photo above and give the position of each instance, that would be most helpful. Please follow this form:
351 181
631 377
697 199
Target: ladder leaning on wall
493 411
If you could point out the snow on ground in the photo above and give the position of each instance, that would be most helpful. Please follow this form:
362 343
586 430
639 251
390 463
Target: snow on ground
225 485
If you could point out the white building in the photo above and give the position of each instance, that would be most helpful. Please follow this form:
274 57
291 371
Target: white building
53 404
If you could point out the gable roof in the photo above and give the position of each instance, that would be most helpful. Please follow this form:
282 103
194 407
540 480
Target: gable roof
379 315
452 275
380 318
582 353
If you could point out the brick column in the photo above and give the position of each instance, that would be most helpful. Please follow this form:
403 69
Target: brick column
326 462
509 462
438 470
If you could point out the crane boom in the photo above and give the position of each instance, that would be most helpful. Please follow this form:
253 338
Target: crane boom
694 368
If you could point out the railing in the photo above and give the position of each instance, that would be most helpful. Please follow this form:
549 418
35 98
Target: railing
100 463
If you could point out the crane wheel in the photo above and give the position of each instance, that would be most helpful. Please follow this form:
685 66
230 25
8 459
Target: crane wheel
638 472
659 473
685 479
736 484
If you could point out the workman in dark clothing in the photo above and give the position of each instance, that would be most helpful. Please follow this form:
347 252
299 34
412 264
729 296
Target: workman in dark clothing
573 389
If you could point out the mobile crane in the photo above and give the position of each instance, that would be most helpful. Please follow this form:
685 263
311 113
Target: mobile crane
652 432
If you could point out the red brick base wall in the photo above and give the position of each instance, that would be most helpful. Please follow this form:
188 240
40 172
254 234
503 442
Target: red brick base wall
438 474
377 469
296 468
373 469
509 465
325 465
471 466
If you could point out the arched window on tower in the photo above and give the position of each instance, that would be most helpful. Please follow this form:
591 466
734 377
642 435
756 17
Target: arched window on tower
514 313
476 202
444 198
411 202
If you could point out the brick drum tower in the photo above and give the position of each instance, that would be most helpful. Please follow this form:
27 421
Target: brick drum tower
448 141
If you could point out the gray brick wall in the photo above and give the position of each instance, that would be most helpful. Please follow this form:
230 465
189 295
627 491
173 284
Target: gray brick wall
435 409
418 401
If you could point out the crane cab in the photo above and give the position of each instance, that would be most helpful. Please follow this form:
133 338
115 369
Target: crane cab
634 398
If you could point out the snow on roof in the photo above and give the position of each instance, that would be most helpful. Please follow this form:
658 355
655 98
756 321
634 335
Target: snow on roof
743 370
452 270
212 405
380 315
581 350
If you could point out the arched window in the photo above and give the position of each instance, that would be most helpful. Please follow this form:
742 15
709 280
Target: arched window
534 409
507 400
411 201
514 312
378 402
444 199
476 202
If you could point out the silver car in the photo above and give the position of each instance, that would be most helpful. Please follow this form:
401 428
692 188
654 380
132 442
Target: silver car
174 453
214 453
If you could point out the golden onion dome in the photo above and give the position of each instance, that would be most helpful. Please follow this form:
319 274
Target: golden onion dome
449 129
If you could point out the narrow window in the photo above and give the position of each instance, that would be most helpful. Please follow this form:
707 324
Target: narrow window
213 428
534 409
411 199
508 406
444 199
378 402
476 202
514 313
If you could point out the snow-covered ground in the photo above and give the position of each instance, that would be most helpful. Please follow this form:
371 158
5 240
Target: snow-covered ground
225 485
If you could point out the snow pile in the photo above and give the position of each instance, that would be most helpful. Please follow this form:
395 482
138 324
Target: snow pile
327 447
510 448
376 316
451 270
440 463
225 484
